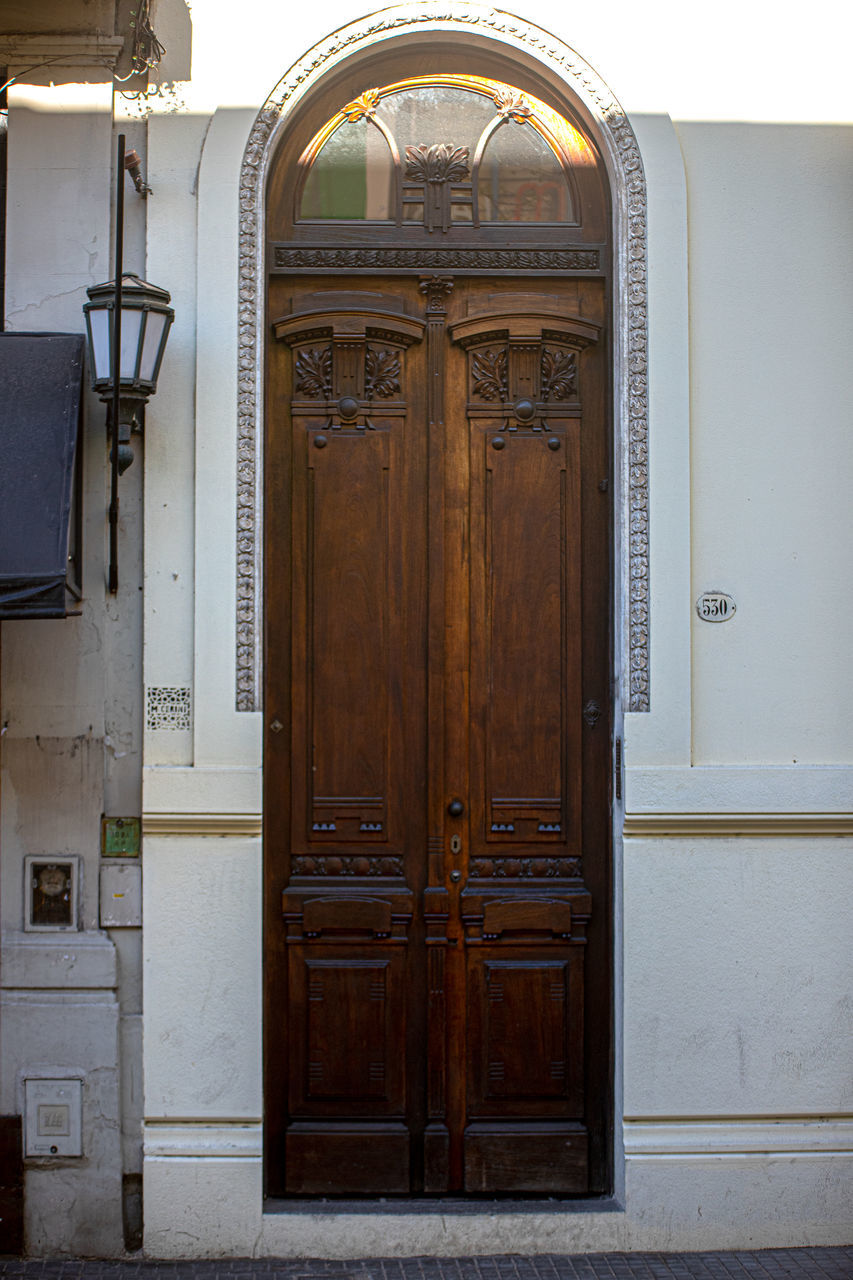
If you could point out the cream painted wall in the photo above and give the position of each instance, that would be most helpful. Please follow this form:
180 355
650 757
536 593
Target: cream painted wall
771 312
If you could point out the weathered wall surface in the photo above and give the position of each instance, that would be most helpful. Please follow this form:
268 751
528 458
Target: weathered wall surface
70 1004
733 1001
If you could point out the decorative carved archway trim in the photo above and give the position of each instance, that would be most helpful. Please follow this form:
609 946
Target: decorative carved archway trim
625 171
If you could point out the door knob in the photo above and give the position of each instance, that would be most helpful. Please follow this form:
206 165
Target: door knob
456 808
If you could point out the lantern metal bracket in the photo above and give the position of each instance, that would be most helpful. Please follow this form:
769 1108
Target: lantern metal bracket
148 318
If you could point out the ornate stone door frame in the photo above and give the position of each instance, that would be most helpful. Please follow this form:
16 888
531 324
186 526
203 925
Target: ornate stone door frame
513 37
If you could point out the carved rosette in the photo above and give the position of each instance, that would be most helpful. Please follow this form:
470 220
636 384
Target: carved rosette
525 868
347 865
629 195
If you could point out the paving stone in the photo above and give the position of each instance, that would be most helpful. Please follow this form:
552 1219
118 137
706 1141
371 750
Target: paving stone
768 1264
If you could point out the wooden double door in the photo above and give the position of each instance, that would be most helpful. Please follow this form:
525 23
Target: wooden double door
437 737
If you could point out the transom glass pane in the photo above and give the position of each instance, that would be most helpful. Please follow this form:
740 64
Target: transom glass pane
352 177
521 180
437 113
440 151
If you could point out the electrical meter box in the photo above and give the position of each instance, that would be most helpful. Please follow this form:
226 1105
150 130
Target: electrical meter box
54 1117
121 895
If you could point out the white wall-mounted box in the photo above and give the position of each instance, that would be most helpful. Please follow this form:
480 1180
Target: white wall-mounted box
121 896
53 1117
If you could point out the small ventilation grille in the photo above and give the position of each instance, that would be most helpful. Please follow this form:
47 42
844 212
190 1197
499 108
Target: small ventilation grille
167 707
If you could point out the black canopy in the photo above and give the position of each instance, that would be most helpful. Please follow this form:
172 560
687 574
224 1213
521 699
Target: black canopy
40 389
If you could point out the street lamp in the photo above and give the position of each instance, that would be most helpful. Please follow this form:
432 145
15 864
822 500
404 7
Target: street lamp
144 327
124 358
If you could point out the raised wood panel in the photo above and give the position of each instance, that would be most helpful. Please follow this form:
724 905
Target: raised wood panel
330 1159
523 673
348 1031
528 1158
525 1010
524 1005
351 653
525 655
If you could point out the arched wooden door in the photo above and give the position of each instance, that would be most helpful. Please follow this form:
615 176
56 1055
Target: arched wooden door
437 687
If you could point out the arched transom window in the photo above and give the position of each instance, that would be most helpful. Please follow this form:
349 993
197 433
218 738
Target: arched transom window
444 151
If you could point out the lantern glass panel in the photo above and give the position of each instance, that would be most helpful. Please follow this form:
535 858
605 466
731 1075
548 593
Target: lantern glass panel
130 325
151 345
100 322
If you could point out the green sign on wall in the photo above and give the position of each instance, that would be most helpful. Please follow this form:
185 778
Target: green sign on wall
119 837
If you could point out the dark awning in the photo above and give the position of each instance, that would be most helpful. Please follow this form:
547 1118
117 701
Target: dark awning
40 388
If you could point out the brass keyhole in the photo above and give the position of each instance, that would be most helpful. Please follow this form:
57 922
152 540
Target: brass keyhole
455 844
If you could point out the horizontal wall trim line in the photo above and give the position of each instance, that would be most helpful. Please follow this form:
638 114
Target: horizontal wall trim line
759 1156
209 1141
204 1122
635 824
202 824
738 1137
720 823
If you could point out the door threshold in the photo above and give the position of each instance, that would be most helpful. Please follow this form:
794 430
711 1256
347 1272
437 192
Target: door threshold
467 1206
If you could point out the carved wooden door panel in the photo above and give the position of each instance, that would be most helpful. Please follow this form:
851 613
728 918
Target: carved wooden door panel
437 738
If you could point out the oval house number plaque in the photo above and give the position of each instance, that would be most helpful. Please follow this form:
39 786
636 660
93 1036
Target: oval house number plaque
714 606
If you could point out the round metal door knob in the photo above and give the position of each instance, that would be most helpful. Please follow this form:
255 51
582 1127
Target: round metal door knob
455 876
456 808
348 407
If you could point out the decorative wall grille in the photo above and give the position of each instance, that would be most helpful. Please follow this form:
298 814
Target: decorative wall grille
168 707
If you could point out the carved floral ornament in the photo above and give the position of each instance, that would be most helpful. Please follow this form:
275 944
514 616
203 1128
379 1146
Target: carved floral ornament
628 188
314 373
557 374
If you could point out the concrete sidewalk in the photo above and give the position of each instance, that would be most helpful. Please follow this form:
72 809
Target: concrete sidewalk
762 1264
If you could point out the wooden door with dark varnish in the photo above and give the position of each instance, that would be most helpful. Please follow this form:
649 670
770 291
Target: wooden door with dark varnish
437 737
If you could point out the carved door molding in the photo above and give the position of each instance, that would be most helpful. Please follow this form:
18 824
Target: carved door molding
630 322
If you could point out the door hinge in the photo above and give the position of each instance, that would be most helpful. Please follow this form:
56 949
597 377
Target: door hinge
617 768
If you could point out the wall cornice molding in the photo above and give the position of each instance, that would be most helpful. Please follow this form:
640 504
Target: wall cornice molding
628 186
640 825
738 1135
737 824
202 824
